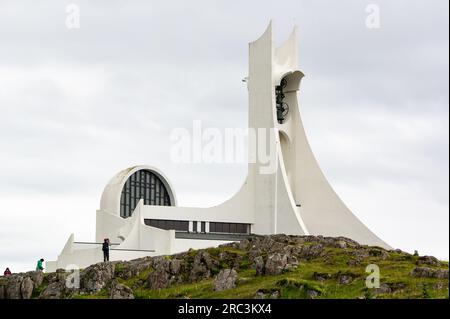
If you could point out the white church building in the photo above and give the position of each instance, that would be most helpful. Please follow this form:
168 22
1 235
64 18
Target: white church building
138 208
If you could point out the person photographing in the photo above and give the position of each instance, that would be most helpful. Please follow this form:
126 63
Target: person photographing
105 248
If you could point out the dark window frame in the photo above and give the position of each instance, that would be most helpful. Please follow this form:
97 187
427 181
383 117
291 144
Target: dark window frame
177 225
229 228
146 185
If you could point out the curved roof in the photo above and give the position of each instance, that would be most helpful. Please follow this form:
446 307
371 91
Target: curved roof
110 200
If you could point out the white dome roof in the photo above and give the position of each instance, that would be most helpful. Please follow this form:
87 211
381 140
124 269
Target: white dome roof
110 200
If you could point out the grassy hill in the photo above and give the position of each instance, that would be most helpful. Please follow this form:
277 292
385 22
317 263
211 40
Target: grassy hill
275 266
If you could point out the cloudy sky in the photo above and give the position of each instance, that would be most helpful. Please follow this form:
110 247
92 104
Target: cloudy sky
79 105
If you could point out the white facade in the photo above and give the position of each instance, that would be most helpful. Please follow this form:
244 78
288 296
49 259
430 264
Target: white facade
294 199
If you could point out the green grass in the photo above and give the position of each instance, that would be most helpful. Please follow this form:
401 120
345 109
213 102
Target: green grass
294 284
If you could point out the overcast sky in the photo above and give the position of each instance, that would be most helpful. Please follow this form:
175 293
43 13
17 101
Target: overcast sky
79 105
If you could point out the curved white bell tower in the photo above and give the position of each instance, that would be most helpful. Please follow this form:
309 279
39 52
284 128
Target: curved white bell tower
297 198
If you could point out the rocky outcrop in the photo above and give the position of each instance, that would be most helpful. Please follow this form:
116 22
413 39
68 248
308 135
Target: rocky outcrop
55 290
267 294
128 269
26 288
37 277
119 291
379 252
426 272
166 272
12 288
321 276
345 279
276 264
58 276
226 279
201 267
96 277
20 286
57 286
158 279
428 260
268 255
260 266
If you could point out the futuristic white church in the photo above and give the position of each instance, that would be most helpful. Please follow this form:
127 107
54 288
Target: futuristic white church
138 209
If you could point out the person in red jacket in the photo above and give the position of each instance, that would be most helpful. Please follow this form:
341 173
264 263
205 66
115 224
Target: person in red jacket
7 272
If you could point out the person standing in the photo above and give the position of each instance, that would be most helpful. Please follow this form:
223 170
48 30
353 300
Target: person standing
7 272
105 248
39 266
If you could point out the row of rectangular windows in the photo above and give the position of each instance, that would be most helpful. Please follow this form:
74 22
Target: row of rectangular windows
214 227
231 228
178 225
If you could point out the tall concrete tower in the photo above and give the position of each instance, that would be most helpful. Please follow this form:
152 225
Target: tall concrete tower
297 198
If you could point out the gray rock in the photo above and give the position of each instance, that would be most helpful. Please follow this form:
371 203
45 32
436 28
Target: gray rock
26 288
267 294
161 263
158 279
428 260
426 272
274 295
58 276
20 286
37 277
12 289
175 266
133 268
312 294
276 264
360 254
338 242
354 262
2 292
244 244
384 289
379 252
259 266
342 244
167 271
55 290
321 276
201 268
96 277
260 295
311 251
345 279
119 291
226 279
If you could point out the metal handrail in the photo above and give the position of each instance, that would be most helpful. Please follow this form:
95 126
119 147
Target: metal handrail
121 249
118 249
88 243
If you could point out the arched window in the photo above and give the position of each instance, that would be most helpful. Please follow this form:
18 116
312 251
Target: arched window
146 185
